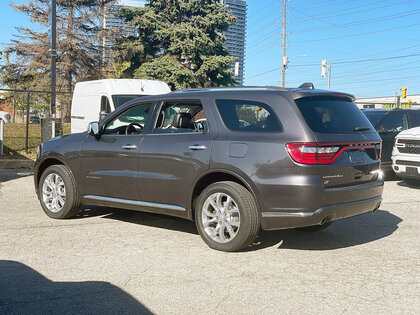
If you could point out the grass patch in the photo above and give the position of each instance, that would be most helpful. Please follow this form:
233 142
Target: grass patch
14 140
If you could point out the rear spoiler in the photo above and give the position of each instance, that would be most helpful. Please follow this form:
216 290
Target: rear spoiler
301 93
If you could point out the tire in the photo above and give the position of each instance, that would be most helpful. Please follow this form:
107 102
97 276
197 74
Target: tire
241 216
314 228
412 182
58 176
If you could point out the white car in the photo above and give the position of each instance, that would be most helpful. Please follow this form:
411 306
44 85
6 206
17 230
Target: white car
5 116
406 156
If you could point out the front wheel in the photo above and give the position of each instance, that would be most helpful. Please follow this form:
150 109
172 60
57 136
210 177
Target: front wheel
58 194
227 216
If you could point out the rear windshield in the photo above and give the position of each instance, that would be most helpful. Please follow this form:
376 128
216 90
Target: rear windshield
333 115
375 116
122 99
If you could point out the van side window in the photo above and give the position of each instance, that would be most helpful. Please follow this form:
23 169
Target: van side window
105 106
248 116
181 117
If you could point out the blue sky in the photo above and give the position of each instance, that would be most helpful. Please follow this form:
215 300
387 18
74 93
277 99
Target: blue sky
339 31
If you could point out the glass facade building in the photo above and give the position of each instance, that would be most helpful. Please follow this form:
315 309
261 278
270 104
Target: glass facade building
235 36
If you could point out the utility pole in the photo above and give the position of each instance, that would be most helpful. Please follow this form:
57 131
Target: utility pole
329 76
284 58
53 51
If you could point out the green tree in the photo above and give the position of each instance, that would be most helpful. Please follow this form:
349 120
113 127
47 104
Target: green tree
179 42
79 46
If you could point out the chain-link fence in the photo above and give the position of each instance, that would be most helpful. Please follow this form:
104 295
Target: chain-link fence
28 123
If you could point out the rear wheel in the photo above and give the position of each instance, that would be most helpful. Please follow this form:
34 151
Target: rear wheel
226 216
58 194
314 228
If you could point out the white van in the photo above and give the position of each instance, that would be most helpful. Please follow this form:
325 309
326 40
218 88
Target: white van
92 100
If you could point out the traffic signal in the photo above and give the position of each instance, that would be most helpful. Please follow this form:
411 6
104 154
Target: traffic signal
323 68
404 93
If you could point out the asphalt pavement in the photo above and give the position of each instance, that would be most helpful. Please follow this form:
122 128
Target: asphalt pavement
117 261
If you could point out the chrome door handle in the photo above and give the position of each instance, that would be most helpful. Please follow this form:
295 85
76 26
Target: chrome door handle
197 147
129 147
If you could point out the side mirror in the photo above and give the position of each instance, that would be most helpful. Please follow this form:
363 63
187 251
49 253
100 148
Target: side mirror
93 128
102 114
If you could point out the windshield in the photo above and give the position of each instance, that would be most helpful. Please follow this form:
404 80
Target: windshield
333 115
122 99
375 116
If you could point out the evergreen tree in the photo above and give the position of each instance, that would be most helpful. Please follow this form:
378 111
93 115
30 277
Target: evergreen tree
79 49
179 42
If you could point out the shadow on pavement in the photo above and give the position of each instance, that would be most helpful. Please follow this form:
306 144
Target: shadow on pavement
143 218
6 175
25 291
404 184
341 234
344 233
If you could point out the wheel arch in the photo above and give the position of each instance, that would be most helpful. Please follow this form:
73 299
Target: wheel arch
217 175
44 164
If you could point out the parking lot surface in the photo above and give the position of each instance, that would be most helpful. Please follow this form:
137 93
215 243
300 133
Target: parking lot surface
111 261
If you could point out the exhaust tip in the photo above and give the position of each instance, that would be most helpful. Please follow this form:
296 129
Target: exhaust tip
376 209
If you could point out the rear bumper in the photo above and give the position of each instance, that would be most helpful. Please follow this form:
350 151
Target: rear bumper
285 220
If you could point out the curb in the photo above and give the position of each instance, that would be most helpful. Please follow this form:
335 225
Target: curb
11 164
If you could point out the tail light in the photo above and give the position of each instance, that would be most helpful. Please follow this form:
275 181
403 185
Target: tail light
325 153
378 148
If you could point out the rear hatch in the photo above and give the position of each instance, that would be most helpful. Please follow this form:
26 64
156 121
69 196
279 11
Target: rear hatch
346 148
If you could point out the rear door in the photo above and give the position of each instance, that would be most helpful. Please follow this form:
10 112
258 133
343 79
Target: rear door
176 152
343 132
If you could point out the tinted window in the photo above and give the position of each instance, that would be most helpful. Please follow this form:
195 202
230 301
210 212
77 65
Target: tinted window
133 118
375 116
181 117
332 115
248 116
415 118
394 122
122 99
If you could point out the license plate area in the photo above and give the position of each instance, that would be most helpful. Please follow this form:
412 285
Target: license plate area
357 156
411 171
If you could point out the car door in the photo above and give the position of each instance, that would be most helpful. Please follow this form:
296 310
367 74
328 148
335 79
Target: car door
176 151
109 163
388 127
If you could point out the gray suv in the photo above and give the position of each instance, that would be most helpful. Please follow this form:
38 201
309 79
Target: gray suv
234 160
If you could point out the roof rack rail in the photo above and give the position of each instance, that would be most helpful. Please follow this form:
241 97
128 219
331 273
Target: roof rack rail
307 86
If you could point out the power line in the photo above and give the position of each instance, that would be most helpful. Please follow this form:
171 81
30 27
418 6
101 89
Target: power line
368 21
354 35
339 62
355 12
313 17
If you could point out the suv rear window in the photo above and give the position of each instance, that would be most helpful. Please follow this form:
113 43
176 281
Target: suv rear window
242 115
333 115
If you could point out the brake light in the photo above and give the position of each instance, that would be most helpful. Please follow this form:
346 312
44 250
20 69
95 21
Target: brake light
325 153
312 153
